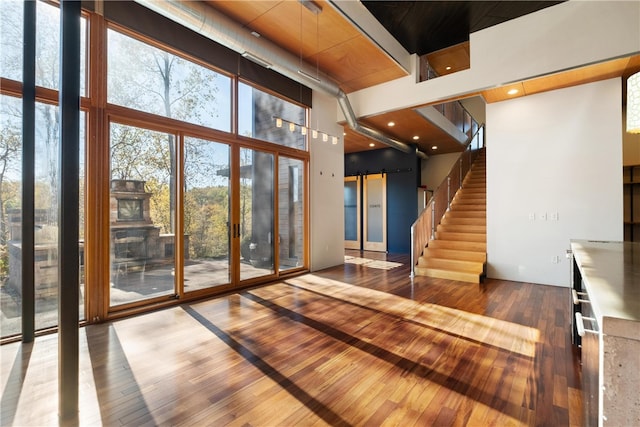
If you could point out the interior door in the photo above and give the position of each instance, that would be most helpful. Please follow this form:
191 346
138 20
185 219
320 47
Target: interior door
352 208
375 213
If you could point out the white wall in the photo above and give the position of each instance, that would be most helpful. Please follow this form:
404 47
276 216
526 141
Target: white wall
476 107
436 168
326 187
555 153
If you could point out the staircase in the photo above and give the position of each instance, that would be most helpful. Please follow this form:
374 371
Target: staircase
459 251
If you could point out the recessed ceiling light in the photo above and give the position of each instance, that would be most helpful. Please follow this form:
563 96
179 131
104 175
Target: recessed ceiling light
416 137
512 92
391 124
448 68
435 147
372 144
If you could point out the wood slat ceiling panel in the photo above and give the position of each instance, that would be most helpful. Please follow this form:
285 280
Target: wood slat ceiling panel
289 23
500 93
603 71
632 67
366 80
409 123
351 60
326 40
243 12
355 142
588 74
456 57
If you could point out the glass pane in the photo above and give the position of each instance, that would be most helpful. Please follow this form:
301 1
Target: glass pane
351 210
46 215
46 202
47 43
374 210
206 214
149 79
81 222
10 211
11 39
256 117
291 212
142 214
256 213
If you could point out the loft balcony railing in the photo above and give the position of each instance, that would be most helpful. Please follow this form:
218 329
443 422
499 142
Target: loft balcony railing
454 111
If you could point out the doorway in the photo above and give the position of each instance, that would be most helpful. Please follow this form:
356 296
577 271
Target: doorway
352 209
365 212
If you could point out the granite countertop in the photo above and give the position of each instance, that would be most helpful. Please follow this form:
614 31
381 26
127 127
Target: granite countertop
611 275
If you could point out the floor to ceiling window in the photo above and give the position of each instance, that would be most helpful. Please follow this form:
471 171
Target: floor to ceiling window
46 172
189 185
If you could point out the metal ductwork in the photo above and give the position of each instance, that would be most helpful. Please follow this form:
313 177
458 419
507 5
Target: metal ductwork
207 21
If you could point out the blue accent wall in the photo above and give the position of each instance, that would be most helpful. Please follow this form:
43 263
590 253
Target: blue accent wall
403 179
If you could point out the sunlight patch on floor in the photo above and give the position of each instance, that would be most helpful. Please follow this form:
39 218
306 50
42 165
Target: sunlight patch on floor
488 330
371 263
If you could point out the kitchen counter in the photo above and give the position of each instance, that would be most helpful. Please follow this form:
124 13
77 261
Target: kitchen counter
609 274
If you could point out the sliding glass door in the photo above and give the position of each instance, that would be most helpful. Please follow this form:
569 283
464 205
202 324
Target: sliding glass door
352 212
256 213
142 214
223 208
375 213
206 212
290 213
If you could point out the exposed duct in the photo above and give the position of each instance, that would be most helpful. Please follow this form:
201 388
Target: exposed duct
205 20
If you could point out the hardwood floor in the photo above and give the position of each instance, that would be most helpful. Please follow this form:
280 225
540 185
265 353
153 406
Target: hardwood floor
358 344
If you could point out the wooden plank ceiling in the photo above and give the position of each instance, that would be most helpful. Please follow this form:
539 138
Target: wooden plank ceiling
326 39
331 42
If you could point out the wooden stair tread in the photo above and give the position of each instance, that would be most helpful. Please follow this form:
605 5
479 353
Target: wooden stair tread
464 237
468 191
467 214
463 228
455 254
449 219
451 264
448 274
459 245
471 207
466 202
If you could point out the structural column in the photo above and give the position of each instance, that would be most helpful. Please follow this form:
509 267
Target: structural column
68 275
28 170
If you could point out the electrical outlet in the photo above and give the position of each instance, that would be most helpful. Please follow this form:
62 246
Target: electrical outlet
543 216
554 216
532 216
556 259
